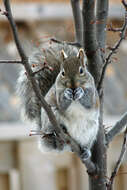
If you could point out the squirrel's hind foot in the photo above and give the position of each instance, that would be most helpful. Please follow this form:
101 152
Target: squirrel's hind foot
51 141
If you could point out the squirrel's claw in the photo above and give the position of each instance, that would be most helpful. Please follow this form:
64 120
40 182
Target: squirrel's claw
78 93
68 93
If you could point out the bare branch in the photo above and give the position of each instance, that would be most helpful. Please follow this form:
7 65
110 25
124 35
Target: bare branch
116 129
91 167
118 163
124 3
43 67
89 40
77 20
14 30
101 16
114 49
59 132
10 61
77 44
111 28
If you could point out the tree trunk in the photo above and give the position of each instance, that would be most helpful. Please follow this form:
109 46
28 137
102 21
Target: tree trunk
99 157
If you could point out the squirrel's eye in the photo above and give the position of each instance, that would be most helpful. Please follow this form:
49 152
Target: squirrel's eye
63 73
81 70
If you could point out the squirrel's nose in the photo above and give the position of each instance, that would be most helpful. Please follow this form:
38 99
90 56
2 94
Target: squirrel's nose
73 89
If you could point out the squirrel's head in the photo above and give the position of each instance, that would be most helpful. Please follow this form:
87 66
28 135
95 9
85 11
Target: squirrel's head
73 70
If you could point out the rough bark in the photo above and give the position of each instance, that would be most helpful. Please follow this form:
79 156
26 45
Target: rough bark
90 41
93 44
101 21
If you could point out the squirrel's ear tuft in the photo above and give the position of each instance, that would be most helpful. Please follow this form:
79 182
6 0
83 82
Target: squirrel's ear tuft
63 55
81 56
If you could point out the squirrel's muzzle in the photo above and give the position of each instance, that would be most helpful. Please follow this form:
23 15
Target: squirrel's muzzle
72 84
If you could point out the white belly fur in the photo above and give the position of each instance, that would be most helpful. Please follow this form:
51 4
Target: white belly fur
81 123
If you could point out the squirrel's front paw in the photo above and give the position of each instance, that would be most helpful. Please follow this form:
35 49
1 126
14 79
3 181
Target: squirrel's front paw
78 93
68 93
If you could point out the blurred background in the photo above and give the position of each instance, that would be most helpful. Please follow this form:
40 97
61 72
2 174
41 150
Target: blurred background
22 166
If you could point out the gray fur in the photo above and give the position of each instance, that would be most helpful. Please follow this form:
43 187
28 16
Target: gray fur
65 99
87 98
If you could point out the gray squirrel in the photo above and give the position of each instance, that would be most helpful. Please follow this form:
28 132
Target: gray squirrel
72 97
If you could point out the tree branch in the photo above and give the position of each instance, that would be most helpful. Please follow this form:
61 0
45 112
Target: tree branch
77 20
14 30
101 21
116 129
113 49
110 28
95 64
117 166
10 61
89 40
77 44
59 132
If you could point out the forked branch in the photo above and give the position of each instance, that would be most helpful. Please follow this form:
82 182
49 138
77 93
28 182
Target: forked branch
116 129
118 163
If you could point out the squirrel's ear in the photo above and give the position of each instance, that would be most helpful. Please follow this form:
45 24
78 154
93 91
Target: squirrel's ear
81 56
63 55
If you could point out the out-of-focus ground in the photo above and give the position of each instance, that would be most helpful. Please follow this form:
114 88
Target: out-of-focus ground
22 166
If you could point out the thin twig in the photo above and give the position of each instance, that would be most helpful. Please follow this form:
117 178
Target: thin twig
111 28
14 29
77 44
114 49
118 164
43 67
10 61
116 129
124 3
